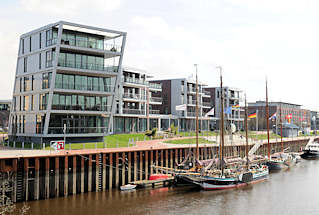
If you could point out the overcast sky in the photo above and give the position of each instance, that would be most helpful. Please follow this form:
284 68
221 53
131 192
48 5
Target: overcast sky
250 39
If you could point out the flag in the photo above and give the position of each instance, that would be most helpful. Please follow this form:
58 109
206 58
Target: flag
228 110
180 107
253 115
273 117
236 106
210 113
289 116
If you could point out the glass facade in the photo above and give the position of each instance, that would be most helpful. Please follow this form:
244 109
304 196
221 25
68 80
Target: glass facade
46 80
79 102
43 101
81 82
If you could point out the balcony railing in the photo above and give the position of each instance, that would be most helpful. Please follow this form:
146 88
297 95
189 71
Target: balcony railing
134 81
133 111
133 96
206 104
154 112
92 44
51 42
155 86
106 108
69 86
77 130
156 99
191 114
89 66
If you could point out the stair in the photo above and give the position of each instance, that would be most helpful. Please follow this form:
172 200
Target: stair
100 172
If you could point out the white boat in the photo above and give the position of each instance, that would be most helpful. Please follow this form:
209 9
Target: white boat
128 187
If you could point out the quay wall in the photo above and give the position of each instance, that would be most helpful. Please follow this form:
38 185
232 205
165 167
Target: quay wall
42 177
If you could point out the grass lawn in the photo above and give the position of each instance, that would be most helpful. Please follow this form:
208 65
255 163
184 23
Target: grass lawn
189 141
193 133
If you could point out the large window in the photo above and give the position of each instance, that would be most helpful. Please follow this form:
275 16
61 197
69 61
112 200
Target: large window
82 40
46 80
43 101
26 102
27 85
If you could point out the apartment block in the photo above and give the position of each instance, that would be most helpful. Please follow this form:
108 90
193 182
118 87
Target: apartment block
65 83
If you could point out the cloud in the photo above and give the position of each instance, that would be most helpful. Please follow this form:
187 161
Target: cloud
69 7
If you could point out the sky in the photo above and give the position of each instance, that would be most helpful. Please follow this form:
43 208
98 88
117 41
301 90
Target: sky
251 40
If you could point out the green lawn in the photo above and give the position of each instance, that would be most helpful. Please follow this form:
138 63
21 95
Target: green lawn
189 141
193 133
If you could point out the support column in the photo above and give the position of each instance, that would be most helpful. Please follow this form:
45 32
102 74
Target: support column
104 171
202 153
90 174
171 159
111 172
57 174
135 166
162 158
47 178
146 165
156 161
123 168
26 178
66 176
176 156
151 160
117 182
129 166
97 171
74 175
205 153
181 155
141 165
166 157
82 175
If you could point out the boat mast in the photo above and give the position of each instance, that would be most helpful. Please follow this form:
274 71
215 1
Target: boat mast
197 112
246 125
267 119
282 143
221 122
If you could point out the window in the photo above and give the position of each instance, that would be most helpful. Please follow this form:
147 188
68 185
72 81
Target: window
26 103
40 61
32 82
22 42
30 45
26 84
46 80
48 37
43 101
40 40
32 102
23 121
48 59
25 64
20 85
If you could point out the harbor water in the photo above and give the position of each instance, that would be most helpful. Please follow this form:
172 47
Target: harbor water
294 191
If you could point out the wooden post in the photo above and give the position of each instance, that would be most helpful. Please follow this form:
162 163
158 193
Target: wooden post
26 178
104 171
97 171
82 174
151 161
111 171
171 158
117 170
37 178
123 168
57 174
90 174
74 175
14 186
156 161
47 178
66 176
135 166
176 157
166 158
162 157
146 165
141 165
129 158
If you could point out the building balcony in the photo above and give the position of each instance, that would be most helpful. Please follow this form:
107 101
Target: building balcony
191 114
104 108
155 86
51 42
154 112
206 104
134 81
98 45
156 100
87 66
69 86
76 130
134 96
133 111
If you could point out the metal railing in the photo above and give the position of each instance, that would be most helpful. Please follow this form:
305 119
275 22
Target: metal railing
69 86
155 86
191 113
89 66
51 42
76 130
92 44
134 81
156 99
133 96
133 111
106 108
154 112
206 104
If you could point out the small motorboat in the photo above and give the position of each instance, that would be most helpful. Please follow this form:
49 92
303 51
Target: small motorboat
128 187
311 150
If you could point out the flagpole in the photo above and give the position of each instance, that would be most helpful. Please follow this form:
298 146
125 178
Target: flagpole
256 120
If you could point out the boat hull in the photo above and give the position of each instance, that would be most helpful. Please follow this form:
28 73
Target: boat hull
276 166
310 154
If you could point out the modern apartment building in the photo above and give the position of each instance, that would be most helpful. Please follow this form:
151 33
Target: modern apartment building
138 102
65 83
290 113
232 99
182 91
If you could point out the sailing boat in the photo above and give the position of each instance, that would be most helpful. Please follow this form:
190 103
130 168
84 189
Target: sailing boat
281 160
222 174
